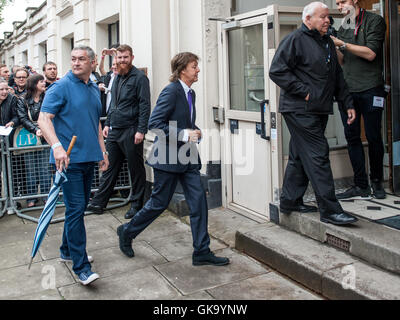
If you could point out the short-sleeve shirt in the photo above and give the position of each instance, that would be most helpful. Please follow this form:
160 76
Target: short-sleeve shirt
361 74
77 109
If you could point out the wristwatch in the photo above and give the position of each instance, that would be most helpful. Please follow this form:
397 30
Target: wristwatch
343 47
105 153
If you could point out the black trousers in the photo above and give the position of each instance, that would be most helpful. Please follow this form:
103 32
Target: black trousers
121 145
363 104
163 190
309 161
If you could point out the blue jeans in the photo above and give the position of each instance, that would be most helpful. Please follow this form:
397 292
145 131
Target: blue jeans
76 198
38 172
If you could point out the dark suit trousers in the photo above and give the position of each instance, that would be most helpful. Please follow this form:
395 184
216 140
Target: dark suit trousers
120 144
163 190
309 161
363 104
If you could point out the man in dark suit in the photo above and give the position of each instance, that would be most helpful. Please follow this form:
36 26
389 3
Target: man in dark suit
125 128
175 158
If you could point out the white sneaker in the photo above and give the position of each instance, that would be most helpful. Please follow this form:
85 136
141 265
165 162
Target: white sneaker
88 277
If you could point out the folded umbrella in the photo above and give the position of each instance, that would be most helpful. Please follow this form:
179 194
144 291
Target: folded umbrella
49 208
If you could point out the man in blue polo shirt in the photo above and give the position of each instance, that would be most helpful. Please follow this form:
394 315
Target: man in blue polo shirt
71 107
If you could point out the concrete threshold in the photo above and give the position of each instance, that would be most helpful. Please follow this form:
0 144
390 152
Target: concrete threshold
374 243
330 272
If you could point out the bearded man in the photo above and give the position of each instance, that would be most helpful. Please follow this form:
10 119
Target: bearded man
124 129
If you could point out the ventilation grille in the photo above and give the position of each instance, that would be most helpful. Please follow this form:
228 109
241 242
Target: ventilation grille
338 242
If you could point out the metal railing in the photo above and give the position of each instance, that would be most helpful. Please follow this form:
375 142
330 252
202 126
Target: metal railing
3 179
28 176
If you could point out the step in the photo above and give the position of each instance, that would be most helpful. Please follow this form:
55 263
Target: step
374 243
324 269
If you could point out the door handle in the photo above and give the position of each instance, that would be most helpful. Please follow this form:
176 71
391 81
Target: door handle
263 104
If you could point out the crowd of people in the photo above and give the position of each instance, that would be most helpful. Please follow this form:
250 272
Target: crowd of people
22 92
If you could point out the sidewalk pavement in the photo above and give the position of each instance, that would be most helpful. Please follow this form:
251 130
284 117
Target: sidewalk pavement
161 269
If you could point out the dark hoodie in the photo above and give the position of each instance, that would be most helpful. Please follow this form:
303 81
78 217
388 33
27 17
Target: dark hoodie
306 63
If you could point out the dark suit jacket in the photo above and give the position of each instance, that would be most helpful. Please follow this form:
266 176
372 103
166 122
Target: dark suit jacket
168 121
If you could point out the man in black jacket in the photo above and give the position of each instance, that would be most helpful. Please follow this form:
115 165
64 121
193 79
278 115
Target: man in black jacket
124 129
306 69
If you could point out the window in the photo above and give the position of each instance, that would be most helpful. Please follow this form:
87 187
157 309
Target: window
113 36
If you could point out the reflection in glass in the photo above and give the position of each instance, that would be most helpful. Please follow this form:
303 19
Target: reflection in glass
246 67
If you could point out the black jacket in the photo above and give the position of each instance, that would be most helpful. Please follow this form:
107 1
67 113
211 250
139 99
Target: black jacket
306 63
22 110
130 102
8 111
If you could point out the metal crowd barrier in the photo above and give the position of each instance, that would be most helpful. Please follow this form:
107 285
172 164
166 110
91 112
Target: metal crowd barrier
19 182
3 180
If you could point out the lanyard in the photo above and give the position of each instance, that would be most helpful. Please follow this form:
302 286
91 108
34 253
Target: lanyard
359 23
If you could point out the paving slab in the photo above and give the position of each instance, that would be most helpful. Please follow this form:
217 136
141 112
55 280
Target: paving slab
51 294
9 221
202 295
20 281
111 261
17 254
289 253
223 224
179 245
143 284
163 226
268 286
92 221
190 279
104 237
23 232
362 280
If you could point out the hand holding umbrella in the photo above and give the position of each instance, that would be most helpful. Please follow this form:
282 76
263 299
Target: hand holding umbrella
49 208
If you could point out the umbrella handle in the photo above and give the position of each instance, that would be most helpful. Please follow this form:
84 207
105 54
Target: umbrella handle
71 145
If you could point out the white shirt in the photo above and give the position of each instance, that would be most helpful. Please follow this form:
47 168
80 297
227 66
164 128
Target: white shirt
186 88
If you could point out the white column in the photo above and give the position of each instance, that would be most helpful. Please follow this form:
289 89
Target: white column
52 43
81 21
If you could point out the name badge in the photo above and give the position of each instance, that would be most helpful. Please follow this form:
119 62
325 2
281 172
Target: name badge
379 102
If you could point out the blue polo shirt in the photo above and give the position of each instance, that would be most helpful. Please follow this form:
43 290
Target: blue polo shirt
77 110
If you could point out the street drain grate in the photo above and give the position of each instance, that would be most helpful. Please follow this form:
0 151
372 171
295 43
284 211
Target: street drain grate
338 242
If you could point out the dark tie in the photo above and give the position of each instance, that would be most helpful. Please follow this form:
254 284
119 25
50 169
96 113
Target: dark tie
190 102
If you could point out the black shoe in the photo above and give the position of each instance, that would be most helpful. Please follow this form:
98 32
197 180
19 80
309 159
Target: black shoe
355 193
95 209
209 259
131 213
303 208
377 189
339 218
125 245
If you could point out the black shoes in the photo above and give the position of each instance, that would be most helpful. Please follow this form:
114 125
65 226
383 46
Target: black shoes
355 193
209 259
125 244
339 218
95 209
377 189
300 208
131 213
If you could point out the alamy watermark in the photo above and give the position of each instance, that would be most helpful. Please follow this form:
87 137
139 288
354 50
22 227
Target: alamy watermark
169 148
